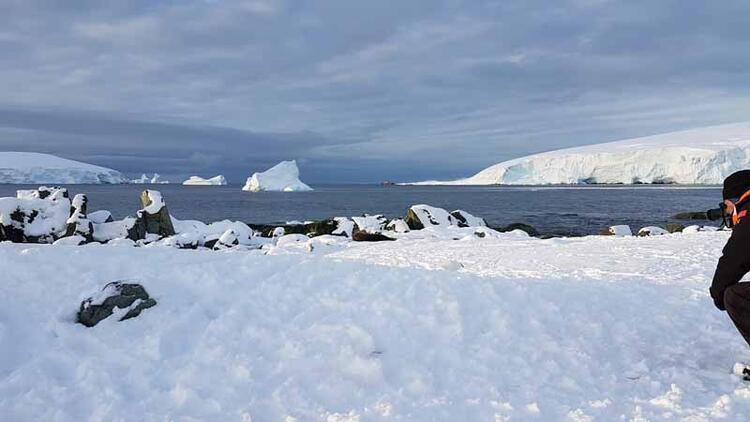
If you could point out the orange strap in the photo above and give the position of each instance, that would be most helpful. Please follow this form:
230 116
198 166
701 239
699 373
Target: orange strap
736 217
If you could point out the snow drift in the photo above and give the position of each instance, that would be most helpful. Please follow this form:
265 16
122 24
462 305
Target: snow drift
35 168
283 177
698 156
199 181
477 329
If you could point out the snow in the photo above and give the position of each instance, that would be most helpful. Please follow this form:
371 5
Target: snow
156 202
432 216
698 156
620 230
504 327
652 231
41 217
199 181
36 168
283 177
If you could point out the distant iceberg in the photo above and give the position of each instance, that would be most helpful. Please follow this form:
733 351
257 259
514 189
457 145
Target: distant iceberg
698 156
199 181
145 180
36 168
283 177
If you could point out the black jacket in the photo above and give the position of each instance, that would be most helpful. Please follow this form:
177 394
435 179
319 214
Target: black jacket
735 259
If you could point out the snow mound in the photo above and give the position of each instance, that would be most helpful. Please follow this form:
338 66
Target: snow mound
36 168
199 181
283 177
698 156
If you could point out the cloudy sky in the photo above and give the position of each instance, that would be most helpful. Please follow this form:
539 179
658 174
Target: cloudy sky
360 91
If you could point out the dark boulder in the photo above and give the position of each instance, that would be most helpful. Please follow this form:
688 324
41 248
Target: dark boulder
152 218
675 227
693 215
530 230
130 296
310 229
363 236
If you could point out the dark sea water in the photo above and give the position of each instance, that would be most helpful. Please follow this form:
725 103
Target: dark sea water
552 210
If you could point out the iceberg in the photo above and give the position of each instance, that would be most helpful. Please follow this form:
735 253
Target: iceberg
283 177
36 168
698 156
199 181
145 180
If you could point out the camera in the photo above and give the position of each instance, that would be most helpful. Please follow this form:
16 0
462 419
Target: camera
717 213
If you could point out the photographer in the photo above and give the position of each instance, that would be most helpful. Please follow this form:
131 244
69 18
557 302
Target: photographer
726 290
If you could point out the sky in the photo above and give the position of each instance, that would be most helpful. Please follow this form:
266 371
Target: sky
359 91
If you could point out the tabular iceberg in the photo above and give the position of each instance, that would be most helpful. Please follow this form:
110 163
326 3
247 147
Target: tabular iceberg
283 177
698 156
36 168
199 181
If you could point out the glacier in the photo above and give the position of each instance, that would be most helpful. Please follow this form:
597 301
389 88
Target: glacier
37 168
698 156
283 177
199 181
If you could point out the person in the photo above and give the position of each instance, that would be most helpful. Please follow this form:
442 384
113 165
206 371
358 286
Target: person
726 290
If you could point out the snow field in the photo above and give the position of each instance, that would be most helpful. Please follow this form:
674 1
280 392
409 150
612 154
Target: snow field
504 327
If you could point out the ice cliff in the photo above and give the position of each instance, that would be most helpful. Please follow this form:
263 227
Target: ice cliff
36 168
698 156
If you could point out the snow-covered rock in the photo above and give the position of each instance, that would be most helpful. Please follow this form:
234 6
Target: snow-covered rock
370 223
283 177
652 231
698 156
36 216
420 216
35 168
619 230
199 181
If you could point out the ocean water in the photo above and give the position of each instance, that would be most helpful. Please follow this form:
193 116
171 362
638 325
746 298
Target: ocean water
559 210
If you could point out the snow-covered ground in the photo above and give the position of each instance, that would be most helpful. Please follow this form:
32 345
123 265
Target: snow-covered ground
698 156
35 168
283 177
199 181
503 327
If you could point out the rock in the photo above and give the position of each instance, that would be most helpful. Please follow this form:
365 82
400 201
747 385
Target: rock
421 216
99 217
529 229
675 227
153 217
464 219
693 215
370 223
227 240
620 230
397 225
130 296
652 231
78 223
35 216
363 236
344 227
311 229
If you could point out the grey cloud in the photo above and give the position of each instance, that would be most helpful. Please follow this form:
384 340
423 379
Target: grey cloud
361 91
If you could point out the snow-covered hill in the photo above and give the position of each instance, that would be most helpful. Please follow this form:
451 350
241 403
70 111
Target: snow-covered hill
35 168
698 156
199 181
283 177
